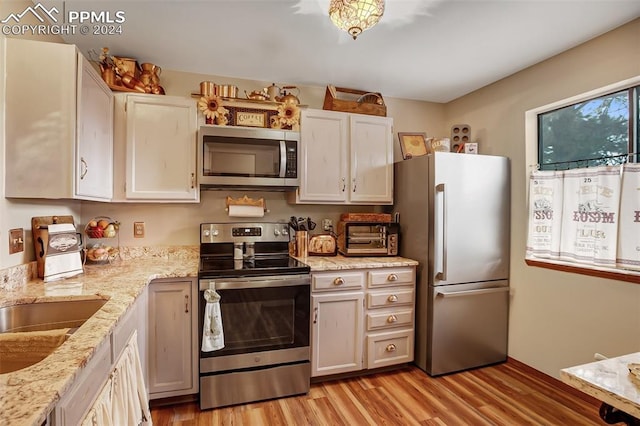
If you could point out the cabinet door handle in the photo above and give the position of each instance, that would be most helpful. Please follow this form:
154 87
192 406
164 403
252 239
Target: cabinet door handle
392 298
315 315
338 281
344 184
392 277
354 184
84 168
392 318
391 347
193 180
186 304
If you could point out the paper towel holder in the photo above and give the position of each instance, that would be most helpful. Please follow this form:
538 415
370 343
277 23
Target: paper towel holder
246 201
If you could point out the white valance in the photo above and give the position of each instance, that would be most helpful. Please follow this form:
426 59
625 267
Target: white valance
588 216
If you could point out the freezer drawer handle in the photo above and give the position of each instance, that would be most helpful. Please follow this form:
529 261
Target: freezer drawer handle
473 292
392 318
390 347
392 298
392 277
338 281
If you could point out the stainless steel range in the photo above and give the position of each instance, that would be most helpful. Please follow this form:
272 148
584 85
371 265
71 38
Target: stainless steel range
264 309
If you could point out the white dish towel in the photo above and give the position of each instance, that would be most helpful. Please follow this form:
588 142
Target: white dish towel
212 334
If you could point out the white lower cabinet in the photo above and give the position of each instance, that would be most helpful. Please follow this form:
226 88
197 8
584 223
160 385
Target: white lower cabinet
104 387
173 341
336 333
361 319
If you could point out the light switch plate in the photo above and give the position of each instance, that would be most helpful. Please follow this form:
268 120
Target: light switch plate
16 240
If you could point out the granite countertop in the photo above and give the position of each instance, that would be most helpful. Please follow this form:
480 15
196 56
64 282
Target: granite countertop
609 381
335 263
28 395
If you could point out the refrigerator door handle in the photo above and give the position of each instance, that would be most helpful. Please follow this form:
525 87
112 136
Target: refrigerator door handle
442 275
472 292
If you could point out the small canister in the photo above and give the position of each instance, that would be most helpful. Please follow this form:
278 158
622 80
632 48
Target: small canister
237 251
207 88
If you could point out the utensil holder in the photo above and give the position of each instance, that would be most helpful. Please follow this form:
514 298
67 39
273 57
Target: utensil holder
302 243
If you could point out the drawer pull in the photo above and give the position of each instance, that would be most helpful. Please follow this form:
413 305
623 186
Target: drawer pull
338 281
390 347
392 318
392 298
186 304
392 277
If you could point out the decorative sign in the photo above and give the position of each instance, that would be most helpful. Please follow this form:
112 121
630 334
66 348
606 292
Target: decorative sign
250 119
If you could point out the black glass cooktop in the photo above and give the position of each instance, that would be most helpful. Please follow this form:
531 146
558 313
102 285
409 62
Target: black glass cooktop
227 267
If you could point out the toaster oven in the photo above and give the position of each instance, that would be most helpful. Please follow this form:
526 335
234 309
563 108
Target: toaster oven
368 238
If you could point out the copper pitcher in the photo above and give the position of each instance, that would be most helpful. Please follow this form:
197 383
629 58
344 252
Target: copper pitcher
150 75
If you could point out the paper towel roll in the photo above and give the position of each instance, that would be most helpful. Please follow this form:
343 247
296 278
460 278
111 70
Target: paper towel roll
246 211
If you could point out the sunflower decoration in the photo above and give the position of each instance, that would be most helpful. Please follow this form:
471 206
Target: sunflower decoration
288 116
211 107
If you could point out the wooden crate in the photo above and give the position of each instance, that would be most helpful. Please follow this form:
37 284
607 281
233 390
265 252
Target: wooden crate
352 100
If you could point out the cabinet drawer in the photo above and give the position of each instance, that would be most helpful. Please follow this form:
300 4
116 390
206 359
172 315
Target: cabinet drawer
396 318
337 281
395 276
390 348
390 297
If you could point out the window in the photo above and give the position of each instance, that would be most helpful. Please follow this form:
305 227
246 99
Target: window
593 132
600 127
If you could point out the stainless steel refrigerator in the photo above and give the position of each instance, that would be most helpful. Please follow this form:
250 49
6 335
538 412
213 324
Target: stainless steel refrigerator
453 211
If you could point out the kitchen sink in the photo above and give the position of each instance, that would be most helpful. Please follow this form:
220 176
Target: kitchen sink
30 332
47 315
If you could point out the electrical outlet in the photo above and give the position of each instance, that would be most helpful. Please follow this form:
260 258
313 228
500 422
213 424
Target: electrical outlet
327 224
138 229
16 240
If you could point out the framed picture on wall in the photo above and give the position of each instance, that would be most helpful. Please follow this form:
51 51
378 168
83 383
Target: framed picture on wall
412 144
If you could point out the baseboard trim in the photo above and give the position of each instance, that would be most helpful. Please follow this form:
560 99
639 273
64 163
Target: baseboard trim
554 382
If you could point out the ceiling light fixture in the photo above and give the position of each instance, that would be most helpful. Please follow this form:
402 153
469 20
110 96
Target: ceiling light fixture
355 16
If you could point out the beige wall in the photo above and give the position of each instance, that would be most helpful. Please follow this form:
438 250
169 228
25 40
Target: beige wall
556 319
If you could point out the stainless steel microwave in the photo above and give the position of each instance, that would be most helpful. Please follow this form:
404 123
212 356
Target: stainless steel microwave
247 157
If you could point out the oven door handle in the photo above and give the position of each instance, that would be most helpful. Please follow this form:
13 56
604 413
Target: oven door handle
242 284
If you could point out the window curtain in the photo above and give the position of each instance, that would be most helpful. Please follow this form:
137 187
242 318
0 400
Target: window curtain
588 216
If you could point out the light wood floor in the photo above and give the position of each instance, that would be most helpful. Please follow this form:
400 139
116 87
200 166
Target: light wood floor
506 394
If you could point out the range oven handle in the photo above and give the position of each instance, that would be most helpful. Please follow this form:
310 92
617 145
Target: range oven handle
283 159
262 282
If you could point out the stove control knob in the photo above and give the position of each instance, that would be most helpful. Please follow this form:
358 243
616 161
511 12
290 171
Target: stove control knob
215 233
276 232
206 232
285 231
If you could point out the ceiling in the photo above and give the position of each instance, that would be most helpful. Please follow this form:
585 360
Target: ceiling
431 50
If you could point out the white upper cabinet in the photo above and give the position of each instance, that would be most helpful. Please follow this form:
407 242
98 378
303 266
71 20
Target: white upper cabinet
345 159
371 148
59 124
155 148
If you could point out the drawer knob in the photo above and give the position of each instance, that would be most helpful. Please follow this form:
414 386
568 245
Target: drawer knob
392 277
338 281
392 298
391 347
392 319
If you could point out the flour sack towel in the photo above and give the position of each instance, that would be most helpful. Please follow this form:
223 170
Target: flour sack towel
591 204
545 214
212 333
629 226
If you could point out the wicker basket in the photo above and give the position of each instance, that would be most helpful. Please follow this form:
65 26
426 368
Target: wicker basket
101 227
